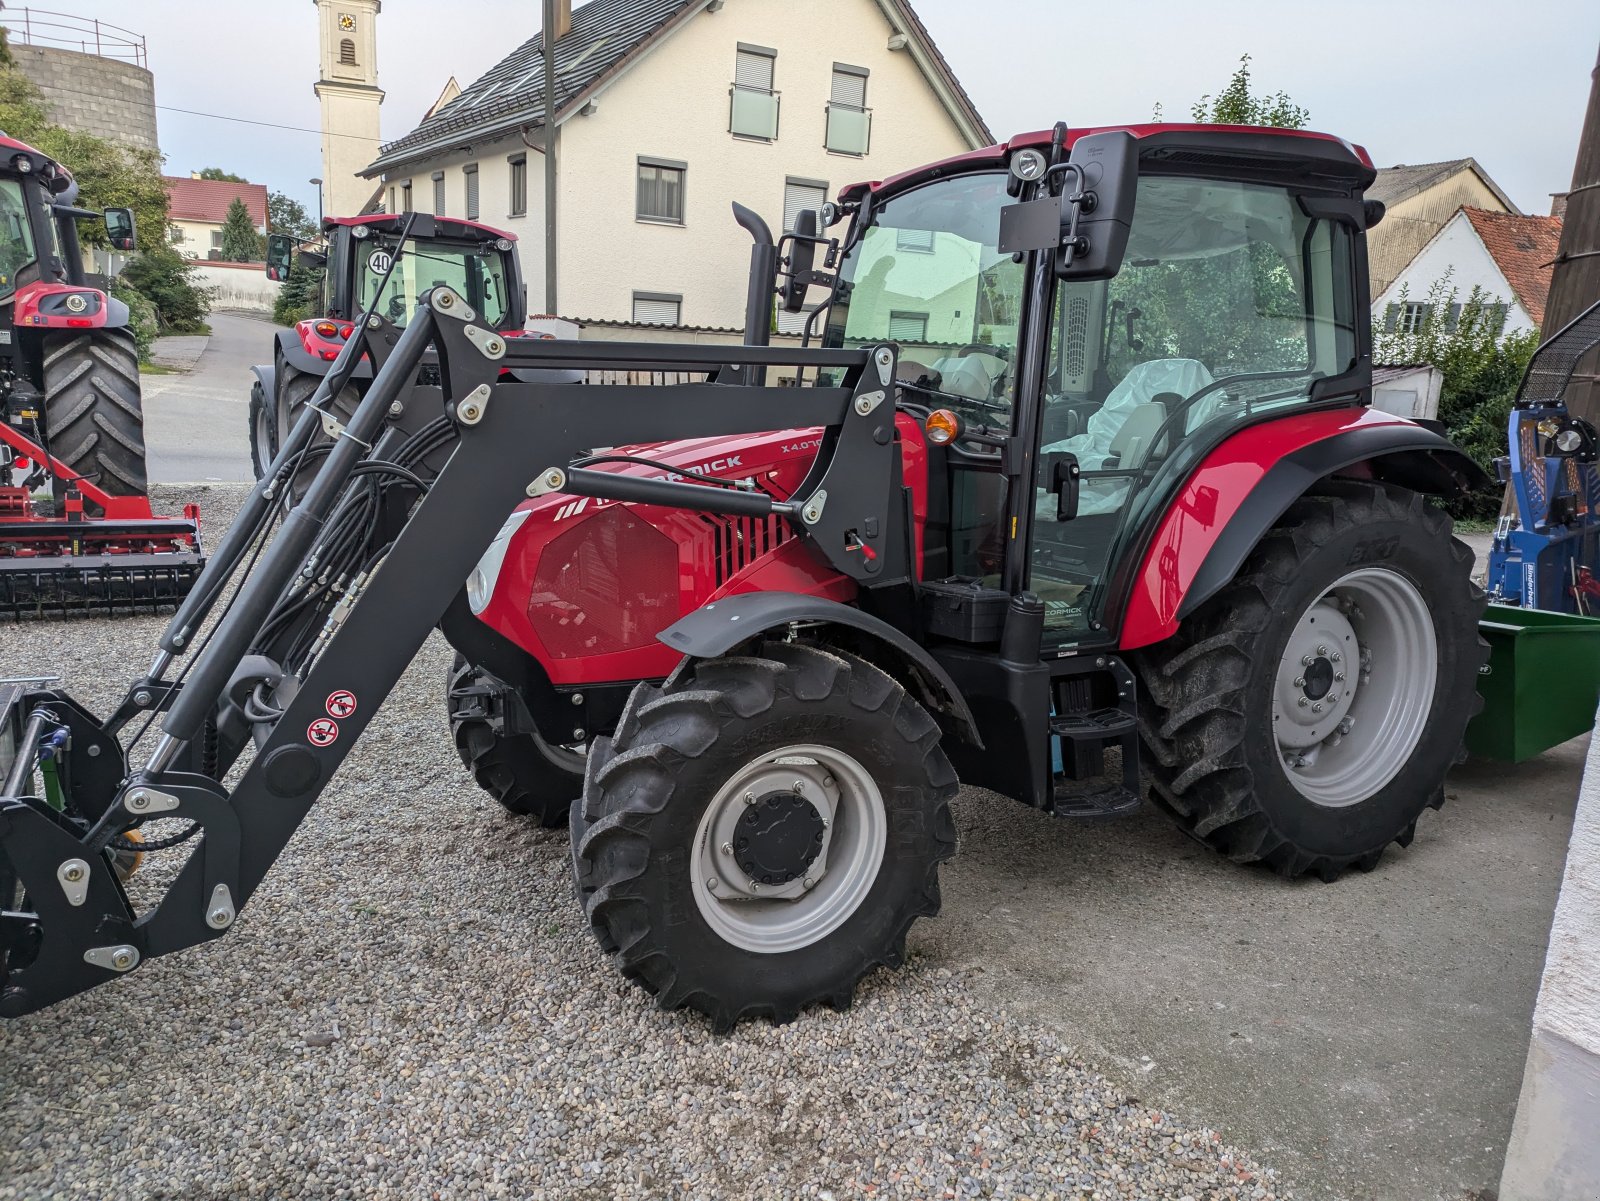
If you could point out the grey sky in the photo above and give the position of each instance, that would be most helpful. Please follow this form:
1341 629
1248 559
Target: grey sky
1505 82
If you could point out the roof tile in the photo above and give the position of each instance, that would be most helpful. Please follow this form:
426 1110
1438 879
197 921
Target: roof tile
208 199
1524 248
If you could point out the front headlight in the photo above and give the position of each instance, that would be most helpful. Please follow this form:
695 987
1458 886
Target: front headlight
480 584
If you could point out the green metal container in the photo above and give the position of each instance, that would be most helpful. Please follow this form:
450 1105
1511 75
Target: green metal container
1541 683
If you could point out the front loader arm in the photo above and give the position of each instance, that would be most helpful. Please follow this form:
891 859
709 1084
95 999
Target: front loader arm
513 438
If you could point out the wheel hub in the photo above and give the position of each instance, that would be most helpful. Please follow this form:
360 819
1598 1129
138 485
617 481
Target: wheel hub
778 838
1315 691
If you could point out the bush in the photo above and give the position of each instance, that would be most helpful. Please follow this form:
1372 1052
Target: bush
142 323
300 297
165 279
1482 371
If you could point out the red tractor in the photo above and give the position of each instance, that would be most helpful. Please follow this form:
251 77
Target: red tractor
1079 499
76 528
475 260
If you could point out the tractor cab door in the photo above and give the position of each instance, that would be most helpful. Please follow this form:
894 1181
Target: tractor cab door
1231 305
926 274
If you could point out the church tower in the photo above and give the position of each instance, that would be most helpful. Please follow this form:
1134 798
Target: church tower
348 88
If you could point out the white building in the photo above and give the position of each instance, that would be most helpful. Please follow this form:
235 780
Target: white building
670 110
1507 255
347 89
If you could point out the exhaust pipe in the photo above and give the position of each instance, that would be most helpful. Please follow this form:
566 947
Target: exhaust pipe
763 284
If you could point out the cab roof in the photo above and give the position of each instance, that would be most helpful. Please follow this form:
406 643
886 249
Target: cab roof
453 227
1330 152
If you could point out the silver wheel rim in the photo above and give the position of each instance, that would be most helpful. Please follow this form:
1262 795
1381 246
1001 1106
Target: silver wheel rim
568 758
1354 687
773 918
263 441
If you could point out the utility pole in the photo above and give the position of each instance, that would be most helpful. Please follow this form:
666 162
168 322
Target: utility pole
1575 282
552 31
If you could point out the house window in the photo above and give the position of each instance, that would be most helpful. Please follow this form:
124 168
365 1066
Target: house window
753 105
660 190
216 239
405 197
657 308
471 173
438 193
347 52
919 241
519 185
1405 318
908 327
849 120
799 195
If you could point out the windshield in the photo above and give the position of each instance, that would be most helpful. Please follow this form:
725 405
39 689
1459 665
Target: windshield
478 274
926 274
16 235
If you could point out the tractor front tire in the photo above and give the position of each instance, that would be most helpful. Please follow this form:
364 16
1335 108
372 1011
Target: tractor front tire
521 771
295 390
1307 714
263 430
761 831
93 418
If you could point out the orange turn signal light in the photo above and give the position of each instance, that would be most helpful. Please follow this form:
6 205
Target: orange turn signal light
326 328
942 427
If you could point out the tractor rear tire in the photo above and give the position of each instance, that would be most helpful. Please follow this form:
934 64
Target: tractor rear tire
812 731
93 418
295 390
521 771
1229 733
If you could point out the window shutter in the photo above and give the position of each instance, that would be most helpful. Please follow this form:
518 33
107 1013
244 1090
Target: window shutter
656 310
1453 320
799 196
1391 315
752 71
849 88
1497 318
438 193
908 327
795 323
472 191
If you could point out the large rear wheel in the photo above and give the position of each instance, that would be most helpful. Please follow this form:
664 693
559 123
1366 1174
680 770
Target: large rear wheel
1306 715
93 418
761 832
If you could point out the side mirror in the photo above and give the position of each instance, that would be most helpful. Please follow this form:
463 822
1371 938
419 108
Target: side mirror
280 256
1097 205
802 261
119 228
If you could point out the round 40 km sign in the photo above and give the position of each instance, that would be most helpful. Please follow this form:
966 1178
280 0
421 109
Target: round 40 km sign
341 703
379 262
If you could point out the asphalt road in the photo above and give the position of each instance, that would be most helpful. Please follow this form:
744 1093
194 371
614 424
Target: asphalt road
195 421
1366 1037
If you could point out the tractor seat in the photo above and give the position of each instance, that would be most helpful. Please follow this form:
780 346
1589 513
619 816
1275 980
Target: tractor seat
1131 445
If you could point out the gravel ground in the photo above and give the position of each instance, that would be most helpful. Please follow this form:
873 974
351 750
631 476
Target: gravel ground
412 1007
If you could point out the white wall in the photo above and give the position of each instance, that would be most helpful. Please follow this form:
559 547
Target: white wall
674 105
1457 246
192 239
237 285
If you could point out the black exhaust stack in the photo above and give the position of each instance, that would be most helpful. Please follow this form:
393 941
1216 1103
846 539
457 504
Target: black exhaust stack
763 284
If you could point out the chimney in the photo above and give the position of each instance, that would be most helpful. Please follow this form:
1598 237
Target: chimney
1558 204
563 22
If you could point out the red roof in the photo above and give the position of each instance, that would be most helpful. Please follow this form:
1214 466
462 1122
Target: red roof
208 199
1524 248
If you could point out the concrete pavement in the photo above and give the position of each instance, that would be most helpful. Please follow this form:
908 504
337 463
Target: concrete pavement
195 422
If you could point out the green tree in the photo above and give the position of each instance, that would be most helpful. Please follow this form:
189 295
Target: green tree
240 241
1482 369
300 297
166 278
221 176
286 215
1236 104
107 174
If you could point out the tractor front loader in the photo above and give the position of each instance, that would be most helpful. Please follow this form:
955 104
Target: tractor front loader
77 533
1112 513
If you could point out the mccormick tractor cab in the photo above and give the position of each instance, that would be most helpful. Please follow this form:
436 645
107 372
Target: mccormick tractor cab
76 528
476 261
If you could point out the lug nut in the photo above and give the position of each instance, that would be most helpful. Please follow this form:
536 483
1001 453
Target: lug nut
749 798
727 848
1306 660
1300 681
799 786
1334 657
1322 650
1317 708
1338 677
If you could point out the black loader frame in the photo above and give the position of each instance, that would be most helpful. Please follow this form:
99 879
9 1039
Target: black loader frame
68 925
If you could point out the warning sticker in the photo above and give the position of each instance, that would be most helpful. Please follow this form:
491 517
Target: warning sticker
341 703
322 731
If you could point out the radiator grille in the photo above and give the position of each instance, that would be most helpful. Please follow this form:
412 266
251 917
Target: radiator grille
737 542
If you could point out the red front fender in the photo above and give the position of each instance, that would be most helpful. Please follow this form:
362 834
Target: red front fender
1243 486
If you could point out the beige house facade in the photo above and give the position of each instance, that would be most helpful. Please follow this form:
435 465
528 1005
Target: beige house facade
1420 199
714 101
